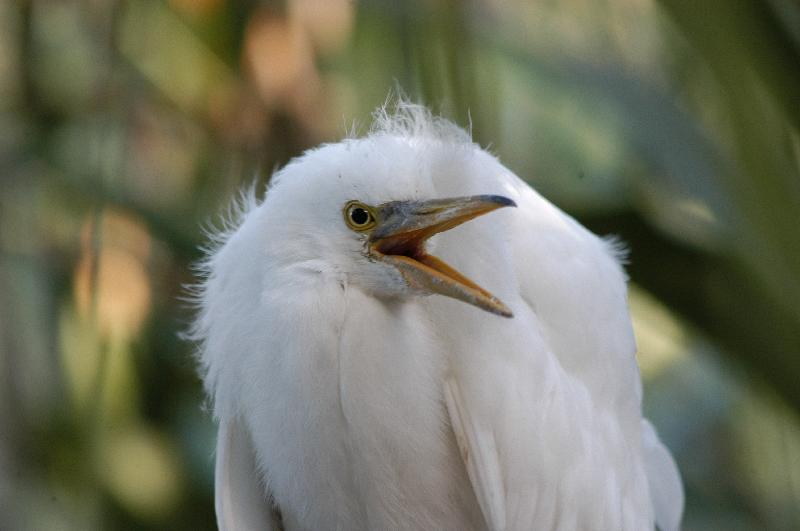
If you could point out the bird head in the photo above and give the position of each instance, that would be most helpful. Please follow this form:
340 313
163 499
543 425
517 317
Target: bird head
393 235
365 209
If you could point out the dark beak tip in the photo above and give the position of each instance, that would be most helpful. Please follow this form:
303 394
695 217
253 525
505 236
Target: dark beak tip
508 314
502 201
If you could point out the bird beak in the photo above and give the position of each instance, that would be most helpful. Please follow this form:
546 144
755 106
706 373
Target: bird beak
399 238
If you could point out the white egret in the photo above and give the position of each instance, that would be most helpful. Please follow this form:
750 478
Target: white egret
349 399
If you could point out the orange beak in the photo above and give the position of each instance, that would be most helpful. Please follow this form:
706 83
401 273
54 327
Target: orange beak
402 229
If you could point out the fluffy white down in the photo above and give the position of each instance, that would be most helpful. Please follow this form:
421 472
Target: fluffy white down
338 378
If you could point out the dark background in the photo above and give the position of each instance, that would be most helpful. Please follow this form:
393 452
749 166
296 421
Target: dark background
126 126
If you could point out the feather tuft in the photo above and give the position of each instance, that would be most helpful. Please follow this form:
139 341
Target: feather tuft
400 117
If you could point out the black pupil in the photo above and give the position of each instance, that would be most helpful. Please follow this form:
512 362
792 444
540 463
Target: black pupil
359 216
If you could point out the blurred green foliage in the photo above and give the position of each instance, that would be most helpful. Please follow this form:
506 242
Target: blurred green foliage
126 126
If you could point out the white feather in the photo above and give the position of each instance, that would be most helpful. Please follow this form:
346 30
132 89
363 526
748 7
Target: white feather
666 488
338 370
479 454
240 499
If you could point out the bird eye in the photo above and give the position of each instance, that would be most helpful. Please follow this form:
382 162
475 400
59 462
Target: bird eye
358 216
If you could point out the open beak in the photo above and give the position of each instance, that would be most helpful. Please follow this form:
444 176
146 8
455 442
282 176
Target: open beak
399 238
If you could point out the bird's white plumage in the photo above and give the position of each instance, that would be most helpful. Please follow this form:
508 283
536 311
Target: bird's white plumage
479 453
371 407
241 501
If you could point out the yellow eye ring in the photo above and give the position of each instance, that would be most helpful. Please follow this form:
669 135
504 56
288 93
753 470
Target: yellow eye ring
359 216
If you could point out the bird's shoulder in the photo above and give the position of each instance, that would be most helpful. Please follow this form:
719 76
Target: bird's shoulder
569 284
